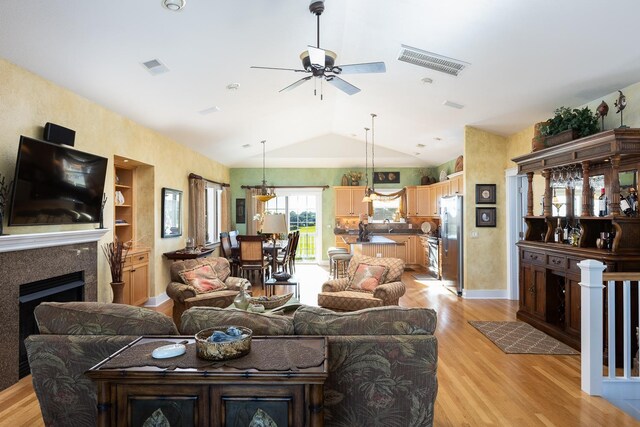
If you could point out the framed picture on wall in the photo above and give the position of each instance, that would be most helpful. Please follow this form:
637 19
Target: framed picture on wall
171 213
240 211
386 177
485 217
485 194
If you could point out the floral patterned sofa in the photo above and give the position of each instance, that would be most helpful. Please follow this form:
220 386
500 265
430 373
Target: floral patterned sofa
382 361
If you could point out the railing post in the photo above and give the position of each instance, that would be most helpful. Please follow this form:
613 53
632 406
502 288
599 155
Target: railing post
591 335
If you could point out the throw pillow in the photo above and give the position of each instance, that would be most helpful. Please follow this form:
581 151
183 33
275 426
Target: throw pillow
202 278
367 277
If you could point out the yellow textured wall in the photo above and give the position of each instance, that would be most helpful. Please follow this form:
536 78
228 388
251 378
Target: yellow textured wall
28 101
485 256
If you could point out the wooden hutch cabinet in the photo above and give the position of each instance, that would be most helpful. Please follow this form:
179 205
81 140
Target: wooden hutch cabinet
549 272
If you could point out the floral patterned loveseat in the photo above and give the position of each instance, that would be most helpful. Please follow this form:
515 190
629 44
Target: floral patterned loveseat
382 361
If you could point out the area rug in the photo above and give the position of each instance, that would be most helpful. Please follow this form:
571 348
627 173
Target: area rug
521 338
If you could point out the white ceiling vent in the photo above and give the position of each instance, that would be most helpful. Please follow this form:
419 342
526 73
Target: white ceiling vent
155 67
431 60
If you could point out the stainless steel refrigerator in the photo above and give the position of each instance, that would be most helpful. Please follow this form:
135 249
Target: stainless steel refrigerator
452 253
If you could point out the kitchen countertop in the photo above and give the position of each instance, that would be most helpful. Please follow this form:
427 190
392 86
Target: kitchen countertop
374 232
373 240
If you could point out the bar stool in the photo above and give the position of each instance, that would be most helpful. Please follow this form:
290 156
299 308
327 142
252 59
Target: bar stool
331 252
340 264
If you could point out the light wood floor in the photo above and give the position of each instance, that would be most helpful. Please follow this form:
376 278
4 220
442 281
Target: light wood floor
479 385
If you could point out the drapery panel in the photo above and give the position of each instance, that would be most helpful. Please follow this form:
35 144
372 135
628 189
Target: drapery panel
254 206
197 210
225 209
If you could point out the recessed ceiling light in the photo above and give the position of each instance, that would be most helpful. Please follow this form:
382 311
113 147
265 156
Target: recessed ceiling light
417 154
420 145
246 146
209 110
427 80
437 138
233 86
174 5
453 105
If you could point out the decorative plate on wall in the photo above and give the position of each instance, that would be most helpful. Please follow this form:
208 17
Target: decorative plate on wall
443 175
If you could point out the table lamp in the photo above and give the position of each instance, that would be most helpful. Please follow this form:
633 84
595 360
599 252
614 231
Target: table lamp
274 224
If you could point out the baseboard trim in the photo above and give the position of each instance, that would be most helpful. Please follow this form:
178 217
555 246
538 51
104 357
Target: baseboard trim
157 300
485 294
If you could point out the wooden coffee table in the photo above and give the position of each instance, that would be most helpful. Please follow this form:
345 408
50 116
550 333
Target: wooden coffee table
214 395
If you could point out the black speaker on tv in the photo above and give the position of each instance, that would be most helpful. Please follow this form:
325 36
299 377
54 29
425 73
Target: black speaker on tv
59 134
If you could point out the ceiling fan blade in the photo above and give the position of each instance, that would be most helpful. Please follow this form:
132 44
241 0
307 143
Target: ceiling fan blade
296 84
317 56
274 68
369 67
344 86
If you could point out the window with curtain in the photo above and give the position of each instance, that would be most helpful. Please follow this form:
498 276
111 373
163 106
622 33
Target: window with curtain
213 212
385 209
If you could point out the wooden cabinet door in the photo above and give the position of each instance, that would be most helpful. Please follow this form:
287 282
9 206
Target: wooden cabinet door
127 279
439 190
140 284
410 251
456 185
433 200
423 201
357 205
412 201
572 306
343 201
533 290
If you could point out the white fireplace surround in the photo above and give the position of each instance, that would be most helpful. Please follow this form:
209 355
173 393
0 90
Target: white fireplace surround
20 242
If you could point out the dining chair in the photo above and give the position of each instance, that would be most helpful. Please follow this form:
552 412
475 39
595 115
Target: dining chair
284 258
233 235
252 259
294 251
228 253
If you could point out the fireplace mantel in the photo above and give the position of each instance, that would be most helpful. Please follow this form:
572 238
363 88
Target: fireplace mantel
20 242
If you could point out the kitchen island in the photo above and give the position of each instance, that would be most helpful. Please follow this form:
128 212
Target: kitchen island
377 246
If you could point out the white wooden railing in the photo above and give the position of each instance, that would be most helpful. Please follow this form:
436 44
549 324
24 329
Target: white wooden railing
596 379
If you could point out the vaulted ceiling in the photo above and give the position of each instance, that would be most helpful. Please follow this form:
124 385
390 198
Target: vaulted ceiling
525 58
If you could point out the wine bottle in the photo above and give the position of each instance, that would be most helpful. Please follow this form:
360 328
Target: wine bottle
559 233
602 204
565 233
574 236
625 206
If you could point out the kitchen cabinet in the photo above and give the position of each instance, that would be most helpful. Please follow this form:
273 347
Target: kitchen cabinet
419 201
533 290
349 201
415 251
456 183
135 275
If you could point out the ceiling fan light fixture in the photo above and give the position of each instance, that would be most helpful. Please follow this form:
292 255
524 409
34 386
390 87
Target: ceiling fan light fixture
174 5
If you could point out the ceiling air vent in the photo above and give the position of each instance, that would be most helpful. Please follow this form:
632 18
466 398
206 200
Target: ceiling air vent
155 67
431 60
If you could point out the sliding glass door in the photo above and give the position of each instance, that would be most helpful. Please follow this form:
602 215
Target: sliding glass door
303 209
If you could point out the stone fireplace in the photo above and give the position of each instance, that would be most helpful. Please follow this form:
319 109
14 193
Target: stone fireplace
32 258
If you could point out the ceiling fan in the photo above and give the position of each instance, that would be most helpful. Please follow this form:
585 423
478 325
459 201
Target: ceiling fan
320 63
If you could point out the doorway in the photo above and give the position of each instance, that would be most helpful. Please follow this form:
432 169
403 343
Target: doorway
303 210
517 187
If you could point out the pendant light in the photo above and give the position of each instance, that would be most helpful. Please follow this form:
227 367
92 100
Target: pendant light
266 194
372 193
367 190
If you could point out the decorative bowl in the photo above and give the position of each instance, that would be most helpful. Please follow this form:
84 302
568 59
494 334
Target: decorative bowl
224 350
271 302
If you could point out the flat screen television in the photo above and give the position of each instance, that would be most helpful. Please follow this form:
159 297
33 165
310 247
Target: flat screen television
55 184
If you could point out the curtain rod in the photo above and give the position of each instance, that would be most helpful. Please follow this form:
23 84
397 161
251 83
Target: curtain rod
194 176
245 187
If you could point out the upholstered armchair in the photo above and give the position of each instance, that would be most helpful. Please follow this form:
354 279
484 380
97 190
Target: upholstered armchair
203 282
374 284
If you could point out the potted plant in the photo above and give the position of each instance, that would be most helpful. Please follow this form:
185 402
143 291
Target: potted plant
116 253
355 177
569 124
